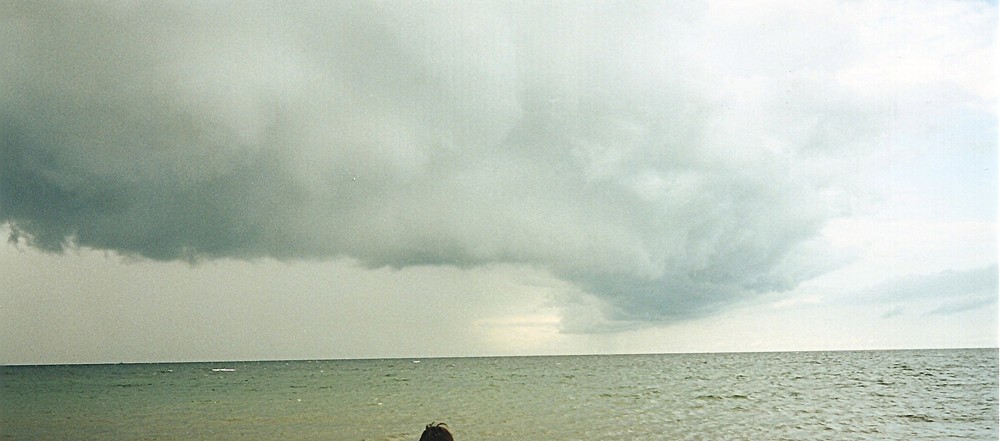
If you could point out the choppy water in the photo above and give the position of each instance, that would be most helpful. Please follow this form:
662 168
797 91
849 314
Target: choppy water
913 395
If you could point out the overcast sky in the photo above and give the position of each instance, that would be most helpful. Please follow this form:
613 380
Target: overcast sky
276 180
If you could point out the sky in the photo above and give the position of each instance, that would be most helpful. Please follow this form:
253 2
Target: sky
196 181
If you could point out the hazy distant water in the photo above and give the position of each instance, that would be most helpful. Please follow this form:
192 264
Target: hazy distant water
911 395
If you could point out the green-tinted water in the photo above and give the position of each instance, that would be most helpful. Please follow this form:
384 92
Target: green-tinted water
821 395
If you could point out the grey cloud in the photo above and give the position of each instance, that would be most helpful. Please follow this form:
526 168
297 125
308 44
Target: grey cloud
953 291
893 312
964 305
949 284
579 139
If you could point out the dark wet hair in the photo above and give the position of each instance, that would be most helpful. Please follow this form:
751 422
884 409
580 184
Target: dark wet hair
437 431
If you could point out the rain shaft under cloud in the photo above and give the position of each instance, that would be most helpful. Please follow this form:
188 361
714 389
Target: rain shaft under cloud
587 140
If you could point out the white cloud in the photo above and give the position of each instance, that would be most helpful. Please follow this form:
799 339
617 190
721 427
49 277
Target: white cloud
908 50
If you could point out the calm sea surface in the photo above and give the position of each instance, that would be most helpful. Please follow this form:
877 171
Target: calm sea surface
899 395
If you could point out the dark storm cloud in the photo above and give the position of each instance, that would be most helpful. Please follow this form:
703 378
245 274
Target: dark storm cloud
588 140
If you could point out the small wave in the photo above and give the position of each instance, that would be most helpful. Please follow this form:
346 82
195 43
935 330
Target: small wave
918 417
721 397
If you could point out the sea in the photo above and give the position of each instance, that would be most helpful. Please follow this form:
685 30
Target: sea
862 395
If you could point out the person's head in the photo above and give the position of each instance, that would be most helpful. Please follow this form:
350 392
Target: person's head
436 432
